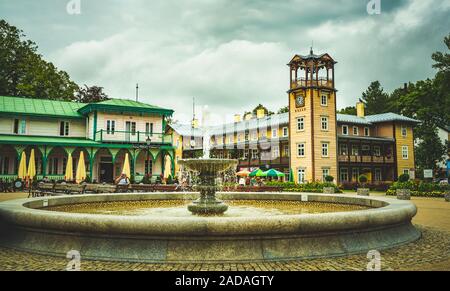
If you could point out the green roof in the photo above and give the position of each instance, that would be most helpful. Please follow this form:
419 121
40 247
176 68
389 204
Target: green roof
124 105
44 140
39 107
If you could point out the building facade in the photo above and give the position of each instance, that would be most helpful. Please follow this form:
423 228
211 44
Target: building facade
104 131
311 140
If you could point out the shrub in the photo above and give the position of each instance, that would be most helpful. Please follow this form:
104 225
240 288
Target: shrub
403 178
420 189
363 180
313 187
329 179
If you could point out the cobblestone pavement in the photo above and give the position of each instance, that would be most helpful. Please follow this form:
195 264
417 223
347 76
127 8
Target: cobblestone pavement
431 252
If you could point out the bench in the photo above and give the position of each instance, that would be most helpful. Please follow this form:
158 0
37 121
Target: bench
75 189
122 188
106 189
42 189
165 188
142 188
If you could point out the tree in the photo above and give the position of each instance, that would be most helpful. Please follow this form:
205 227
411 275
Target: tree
23 72
377 101
351 110
283 110
430 151
91 94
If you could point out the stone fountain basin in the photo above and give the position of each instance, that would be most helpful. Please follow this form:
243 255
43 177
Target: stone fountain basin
24 226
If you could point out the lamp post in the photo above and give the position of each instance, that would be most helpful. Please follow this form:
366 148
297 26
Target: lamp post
148 142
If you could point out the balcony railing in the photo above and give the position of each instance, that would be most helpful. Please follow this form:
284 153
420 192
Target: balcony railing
365 159
321 82
132 137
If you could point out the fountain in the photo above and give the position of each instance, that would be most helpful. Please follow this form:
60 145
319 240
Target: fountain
208 170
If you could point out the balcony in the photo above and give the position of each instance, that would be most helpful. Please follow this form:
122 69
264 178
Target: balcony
133 137
366 159
321 82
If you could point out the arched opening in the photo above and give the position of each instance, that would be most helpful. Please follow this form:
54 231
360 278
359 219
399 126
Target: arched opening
56 164
103 168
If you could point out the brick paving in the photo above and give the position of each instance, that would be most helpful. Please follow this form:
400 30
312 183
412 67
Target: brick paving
431 252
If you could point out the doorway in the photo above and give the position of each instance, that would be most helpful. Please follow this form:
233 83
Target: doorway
106 173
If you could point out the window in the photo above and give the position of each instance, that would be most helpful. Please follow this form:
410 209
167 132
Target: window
246 155
325 149
264 133
366 131
343 175
405 152
254 135
274 132
301 123
64 128
324 123
344 150
376 151
240 137
355 130
406 171
324 100
148 167
286 151
20 126
355 174
355 150
255 155
133 128
246 136
285 131
275 152
230 139
301 149
378 177
366 150
325 173
110 126
301 176
149 129
404 131
345 130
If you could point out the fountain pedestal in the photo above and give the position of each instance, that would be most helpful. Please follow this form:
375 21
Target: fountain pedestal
208 169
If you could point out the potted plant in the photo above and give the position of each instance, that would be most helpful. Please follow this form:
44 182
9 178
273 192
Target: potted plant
328 187
362 189
403 193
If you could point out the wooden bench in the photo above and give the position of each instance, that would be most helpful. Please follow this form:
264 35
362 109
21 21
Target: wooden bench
91 188
165 188
106 189
122 188
75 189
42 189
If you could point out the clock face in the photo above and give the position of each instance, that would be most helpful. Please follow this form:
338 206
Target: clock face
300 101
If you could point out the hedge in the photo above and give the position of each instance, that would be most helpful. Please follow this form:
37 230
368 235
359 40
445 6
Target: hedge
315 187
420 189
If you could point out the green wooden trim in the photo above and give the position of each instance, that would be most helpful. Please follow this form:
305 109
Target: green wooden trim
19 150
69 150
123 109
95 126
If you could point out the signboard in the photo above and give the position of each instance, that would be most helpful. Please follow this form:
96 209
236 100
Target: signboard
428 174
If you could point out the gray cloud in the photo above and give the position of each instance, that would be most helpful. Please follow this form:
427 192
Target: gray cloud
231 55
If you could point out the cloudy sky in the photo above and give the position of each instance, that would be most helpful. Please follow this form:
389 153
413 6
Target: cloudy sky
231 54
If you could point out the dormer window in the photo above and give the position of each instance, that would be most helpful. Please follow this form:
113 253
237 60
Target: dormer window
366 131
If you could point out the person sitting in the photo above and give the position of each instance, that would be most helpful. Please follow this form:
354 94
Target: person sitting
123 180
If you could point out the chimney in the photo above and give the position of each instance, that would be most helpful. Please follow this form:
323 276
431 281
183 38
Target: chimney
195 123
260 113
248 116
237 118
360 108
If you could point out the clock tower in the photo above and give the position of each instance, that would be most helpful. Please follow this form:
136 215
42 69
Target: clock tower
312 118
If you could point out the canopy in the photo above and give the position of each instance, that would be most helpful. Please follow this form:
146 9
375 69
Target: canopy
274 173
69 168
257 173
126 166
31 166
243 173
81 169
23 166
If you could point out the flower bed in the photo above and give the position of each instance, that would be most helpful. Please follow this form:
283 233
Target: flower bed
315 187
420 189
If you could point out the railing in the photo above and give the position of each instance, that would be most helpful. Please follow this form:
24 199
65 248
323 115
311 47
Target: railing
132 137
321 82
365 159
39 177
